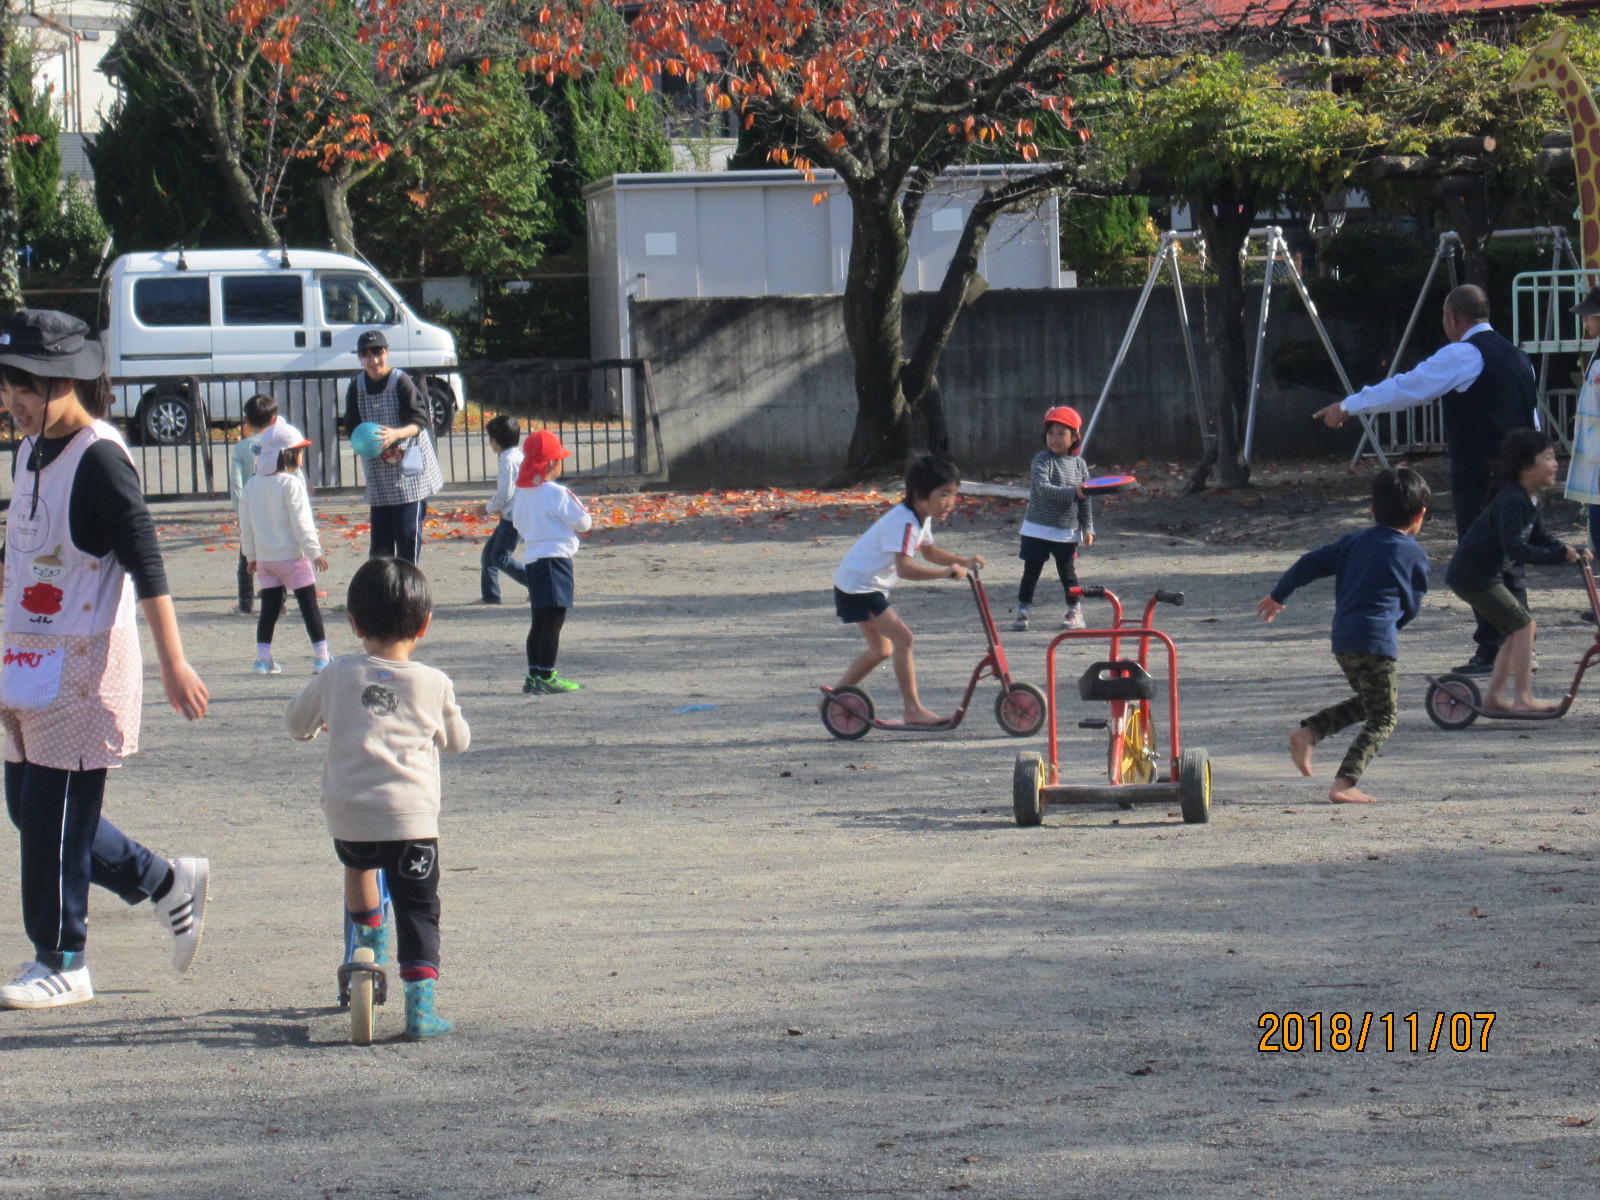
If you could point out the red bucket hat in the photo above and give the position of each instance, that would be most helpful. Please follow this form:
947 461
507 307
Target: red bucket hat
539 449
1061 414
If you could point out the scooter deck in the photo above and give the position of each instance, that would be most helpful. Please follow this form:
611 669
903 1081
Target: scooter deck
1505 714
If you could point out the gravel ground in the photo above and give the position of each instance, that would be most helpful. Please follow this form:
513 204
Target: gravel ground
715 953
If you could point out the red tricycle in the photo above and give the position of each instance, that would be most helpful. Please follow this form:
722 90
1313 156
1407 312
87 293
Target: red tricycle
848 712
1455 701
1127 688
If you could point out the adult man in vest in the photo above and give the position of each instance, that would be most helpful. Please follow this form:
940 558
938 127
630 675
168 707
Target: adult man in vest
1487 388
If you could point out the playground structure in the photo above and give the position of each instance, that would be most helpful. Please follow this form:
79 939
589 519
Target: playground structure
1275 256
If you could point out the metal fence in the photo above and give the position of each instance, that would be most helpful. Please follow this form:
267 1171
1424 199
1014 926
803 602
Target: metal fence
181 432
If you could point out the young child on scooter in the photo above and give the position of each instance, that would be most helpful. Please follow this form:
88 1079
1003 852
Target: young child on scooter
1058 517
1380 576
388 718
1508 532
885 553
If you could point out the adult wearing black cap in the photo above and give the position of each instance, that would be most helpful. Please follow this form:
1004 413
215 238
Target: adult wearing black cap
1487 389
406 472
1583 473
80 548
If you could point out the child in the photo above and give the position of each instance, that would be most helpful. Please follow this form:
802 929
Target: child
1380 576
80 547
1058 516
499 552
387 719
883 554
1508 532
278 535
260 411
549 518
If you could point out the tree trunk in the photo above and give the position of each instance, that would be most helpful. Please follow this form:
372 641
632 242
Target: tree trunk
873 314
10 231
1225 222
336 210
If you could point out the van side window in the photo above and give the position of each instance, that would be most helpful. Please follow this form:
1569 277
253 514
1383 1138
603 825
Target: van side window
163 301
355 300
263 300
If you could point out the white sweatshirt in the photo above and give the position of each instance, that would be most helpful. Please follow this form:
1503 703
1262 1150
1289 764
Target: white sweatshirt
275 520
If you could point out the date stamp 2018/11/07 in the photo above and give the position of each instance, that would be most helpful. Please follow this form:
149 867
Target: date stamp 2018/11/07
1292 1032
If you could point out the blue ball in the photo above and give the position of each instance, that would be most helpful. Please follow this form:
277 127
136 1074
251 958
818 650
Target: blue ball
365 439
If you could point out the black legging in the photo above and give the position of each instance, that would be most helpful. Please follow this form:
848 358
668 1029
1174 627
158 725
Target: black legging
544 638
272 606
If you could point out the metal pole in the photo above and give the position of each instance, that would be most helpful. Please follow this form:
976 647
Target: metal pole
1274 236
1207 432
1127 337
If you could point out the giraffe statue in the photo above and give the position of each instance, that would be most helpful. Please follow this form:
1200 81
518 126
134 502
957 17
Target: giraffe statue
1549 66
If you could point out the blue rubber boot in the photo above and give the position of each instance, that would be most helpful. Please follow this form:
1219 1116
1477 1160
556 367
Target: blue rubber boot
421 1019
374 938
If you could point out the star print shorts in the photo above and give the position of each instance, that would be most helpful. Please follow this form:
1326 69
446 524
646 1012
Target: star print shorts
411 871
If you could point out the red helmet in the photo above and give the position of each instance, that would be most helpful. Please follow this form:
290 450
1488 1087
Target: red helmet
1062 415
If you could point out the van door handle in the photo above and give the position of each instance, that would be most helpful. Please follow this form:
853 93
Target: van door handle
327 338
300 338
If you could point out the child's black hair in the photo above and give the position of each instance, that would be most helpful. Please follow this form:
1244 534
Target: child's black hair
260 411
1398 495
503 431
289 460
926 473
1517 453
389 599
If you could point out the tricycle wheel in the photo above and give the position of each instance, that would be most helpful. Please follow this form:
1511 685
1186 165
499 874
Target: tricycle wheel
1027 777
1020 709
847 712
1194 786
1452 702
1134 760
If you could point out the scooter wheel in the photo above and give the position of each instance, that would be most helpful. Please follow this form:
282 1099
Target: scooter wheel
848 712
1452 702
1027 777
1194 786
361 1000
1020 709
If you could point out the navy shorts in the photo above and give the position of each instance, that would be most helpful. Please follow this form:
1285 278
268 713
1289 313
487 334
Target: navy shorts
550 583
855 607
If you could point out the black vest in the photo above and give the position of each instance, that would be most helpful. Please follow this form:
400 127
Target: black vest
1501 399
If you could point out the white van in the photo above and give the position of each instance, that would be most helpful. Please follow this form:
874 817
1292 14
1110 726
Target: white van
203 313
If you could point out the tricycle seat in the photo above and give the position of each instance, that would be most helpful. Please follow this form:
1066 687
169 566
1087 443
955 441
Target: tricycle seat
1120 679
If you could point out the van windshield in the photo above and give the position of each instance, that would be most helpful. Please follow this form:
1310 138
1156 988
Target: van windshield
355 300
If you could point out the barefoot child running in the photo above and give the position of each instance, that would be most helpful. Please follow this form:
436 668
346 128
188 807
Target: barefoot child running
1058 517
1507 533
1380 576
886 552
388 718
278 535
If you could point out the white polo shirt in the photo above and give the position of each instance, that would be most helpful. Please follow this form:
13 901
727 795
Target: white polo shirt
869 565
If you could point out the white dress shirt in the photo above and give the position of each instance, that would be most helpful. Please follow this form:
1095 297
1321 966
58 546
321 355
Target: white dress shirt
1453 367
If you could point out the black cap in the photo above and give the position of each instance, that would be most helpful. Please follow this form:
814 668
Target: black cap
372 339
1589 305
53 344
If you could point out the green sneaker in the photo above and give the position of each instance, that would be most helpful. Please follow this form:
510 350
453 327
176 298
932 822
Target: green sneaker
548 685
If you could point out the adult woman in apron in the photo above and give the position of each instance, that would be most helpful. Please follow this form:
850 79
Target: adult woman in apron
406 472
79 548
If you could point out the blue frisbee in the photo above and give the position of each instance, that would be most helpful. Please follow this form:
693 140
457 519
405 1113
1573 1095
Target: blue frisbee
365 439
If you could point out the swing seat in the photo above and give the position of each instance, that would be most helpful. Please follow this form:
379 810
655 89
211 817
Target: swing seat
1119 679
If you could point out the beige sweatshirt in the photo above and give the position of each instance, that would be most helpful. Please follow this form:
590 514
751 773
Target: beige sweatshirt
387 722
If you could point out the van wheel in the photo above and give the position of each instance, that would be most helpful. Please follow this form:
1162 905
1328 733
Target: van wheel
441 406
167 418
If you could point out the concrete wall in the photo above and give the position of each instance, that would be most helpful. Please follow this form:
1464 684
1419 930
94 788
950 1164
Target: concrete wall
761 390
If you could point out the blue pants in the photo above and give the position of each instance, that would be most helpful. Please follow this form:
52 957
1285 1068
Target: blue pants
397 530
67 845
499 554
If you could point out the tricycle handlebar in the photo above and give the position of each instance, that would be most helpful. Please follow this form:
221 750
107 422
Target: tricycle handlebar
1174 598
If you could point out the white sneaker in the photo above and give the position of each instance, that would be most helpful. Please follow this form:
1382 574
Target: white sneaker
1020 625
39 986
182 911
1073 619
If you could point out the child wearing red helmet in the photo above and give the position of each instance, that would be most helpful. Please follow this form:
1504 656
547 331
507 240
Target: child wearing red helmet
549 518
1059 517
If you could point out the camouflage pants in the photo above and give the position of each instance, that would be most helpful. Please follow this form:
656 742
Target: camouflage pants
1375 702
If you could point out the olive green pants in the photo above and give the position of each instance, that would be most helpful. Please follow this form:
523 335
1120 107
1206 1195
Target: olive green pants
1376 703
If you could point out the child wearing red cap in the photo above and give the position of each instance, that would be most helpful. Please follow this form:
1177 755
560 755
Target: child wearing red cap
549 518
1058 517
